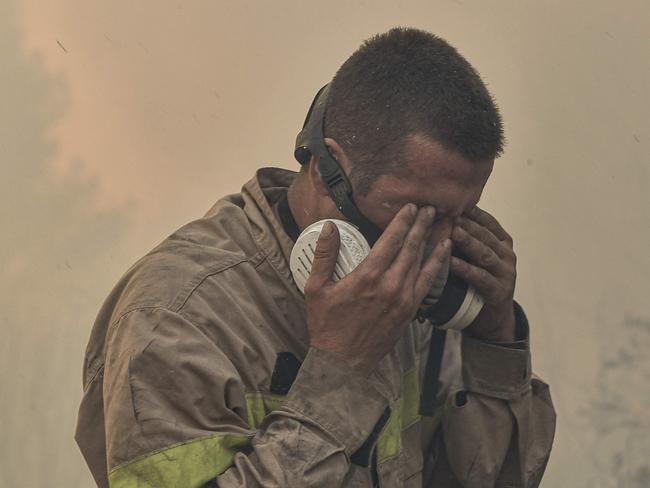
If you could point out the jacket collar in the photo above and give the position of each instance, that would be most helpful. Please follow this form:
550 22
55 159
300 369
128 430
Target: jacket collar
260 194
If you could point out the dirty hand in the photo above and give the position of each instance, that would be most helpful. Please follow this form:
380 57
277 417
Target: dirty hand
362 316
491 270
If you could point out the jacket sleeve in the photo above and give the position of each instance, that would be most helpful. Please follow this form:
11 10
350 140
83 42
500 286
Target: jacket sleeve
498 430
176 413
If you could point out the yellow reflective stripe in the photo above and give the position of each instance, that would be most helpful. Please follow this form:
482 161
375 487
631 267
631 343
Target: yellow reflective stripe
405 415
258 405
194 463
389 444
190 464
390 439
410 401
402 417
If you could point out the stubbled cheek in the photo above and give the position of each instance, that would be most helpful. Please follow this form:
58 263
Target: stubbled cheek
383 214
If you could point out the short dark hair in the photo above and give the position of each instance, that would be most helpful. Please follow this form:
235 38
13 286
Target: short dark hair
404 82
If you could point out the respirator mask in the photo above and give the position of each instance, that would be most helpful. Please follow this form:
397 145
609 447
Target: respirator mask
450 304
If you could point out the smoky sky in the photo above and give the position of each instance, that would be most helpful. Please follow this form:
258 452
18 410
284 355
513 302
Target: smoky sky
57 259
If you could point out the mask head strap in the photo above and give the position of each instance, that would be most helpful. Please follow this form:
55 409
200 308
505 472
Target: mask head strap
311 141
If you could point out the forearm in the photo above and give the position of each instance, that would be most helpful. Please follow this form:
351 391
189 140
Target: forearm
329 412
184 423
499 429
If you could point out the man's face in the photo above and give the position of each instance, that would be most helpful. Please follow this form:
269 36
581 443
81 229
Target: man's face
433 176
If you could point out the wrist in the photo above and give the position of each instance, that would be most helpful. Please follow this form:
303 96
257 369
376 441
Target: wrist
339 399
355 360
494 324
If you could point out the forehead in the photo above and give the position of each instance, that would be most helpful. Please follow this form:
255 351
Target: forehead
425 157
432 175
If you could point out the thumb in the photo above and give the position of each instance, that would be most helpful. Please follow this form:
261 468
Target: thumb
325 255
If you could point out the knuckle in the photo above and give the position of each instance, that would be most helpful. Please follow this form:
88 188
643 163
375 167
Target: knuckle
487 259
405 305
461 237
395 242
430 278
459 264
483 279
365 295
321 252
310 289
389 291
367 277
400 301
412 246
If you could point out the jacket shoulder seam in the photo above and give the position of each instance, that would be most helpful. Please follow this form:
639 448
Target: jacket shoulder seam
193 285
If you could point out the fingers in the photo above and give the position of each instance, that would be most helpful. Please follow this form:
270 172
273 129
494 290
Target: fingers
486 220
487 285
408 261
481 245
389 244
325 256
482 234
431 269
491 263
477 251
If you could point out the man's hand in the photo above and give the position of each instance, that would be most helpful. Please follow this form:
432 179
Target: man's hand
362 316
491 271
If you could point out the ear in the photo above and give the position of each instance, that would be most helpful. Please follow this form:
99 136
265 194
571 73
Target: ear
337 152
314 178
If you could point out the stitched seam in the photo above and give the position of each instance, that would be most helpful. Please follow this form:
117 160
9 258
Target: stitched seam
498 393
166 448
412 423
478 382
258 259
211 272
324 426
139 309
255 260
93 377
115 323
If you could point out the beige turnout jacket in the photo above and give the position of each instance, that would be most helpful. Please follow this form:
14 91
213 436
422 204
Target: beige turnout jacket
199 373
